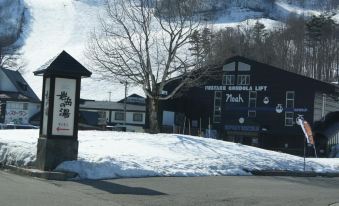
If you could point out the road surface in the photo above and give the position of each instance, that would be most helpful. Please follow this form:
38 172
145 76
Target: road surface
179 191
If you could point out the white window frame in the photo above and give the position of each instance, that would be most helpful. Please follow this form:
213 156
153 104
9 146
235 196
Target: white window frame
25 106
287 124
15 105
250 99
251 111
290 99
228 79
137 120
217 108
243 79
115 116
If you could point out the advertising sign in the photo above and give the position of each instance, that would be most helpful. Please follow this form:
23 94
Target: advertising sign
64 105
45 106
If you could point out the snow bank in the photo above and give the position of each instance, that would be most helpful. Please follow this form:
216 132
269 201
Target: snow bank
18 147
123 154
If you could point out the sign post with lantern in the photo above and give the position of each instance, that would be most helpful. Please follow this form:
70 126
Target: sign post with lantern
58 136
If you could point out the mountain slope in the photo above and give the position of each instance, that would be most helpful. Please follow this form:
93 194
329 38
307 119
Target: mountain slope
56 25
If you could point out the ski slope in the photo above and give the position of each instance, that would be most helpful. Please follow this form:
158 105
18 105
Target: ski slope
56 25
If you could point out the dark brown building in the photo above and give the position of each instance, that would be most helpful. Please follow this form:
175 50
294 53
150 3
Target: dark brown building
257 104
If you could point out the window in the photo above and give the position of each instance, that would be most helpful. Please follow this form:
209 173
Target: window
243 80
228 79
244 67
229 67
290 99
252 113
289 118
119 116
217 107
25 106
15 105
252 103
137 117
252 99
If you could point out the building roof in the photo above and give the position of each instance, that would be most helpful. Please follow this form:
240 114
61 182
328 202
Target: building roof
134 99
24 91
63 64
106 105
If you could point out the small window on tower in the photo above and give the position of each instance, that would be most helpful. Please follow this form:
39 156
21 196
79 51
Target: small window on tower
229 67
228 79
243 80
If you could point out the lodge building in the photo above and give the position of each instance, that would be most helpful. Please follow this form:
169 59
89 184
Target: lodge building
18 102
257 104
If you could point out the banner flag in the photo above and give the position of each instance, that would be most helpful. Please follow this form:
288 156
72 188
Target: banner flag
305 126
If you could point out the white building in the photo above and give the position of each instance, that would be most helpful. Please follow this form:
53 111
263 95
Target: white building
18 102
113 113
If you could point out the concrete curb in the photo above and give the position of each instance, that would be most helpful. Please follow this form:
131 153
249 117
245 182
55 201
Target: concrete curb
48 175
293 173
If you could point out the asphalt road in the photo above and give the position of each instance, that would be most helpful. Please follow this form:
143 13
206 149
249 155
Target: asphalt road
227 190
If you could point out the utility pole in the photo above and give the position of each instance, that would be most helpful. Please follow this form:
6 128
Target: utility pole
125 100
109 96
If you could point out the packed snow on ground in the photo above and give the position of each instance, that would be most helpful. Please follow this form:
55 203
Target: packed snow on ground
106 154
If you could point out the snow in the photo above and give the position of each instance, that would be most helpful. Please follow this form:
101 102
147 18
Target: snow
242 17
107 154
294 9
58 25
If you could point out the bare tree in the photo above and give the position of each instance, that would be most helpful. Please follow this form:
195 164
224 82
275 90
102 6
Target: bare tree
10 57
146 43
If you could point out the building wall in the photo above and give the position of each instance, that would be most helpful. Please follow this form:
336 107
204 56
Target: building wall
131 124
129 117
273 124
20 112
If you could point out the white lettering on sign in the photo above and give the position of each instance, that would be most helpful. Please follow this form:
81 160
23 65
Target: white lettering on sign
260 88
236 88
215 88
64 104
247 88
230 98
